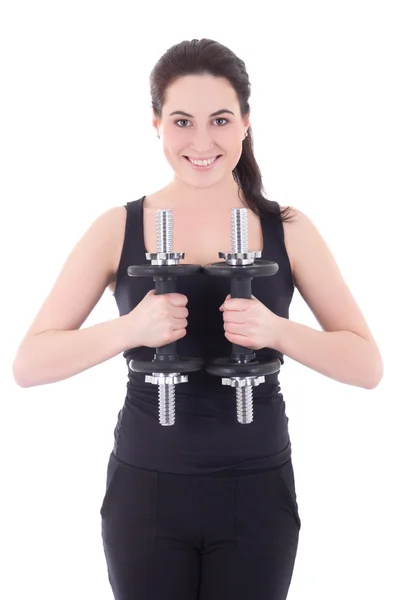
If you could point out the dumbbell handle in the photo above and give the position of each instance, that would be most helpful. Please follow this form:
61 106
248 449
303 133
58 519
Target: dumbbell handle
241 288
166 284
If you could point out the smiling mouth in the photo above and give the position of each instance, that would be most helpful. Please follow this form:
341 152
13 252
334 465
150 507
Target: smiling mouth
203 162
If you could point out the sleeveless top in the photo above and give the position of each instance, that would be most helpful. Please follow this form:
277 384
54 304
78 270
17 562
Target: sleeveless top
206 436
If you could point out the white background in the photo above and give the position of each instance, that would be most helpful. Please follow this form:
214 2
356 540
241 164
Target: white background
76 139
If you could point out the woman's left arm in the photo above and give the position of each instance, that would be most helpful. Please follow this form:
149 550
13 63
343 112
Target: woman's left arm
345 349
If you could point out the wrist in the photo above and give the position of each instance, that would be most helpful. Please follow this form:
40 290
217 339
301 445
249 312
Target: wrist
282 325
126 332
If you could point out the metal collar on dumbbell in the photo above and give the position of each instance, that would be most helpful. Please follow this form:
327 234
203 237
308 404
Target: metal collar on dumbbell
166 378
165 258
240 258
238 382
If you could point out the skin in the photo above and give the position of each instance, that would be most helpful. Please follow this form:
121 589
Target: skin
55 347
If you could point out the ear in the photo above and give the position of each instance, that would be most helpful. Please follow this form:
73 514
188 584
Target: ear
155 120
246 121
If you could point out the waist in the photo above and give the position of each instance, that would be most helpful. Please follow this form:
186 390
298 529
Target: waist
206 436
201 386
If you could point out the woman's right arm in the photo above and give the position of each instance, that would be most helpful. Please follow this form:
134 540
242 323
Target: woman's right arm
54 347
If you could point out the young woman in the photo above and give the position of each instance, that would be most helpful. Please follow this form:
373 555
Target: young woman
205 509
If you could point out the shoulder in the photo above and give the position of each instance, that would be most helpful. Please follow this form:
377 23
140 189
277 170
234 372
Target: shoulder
295 223
291 213
110 223
108 232
113 214
300 230
307 249
303 239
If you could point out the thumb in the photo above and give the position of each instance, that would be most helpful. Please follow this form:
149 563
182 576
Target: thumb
227 298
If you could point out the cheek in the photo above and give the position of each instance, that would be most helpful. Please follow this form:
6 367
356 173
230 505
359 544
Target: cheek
233 145
175 137
227 139
174 148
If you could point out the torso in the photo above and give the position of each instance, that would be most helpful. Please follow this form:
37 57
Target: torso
197 233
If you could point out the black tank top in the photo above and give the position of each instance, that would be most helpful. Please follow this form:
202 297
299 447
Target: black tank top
206 436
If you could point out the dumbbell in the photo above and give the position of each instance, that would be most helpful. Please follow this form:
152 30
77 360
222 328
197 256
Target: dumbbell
167 368
241 370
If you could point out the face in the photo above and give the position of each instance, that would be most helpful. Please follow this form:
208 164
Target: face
201 121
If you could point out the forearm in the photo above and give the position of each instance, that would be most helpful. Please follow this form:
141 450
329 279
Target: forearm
55 355
340 355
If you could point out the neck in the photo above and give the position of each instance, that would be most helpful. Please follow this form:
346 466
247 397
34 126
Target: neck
224 194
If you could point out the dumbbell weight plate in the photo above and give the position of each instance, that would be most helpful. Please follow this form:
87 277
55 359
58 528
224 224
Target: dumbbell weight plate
260 268
157 270
181 365
224 367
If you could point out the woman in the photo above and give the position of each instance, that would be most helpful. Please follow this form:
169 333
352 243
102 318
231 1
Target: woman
207 508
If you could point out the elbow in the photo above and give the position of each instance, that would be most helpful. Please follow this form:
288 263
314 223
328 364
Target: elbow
374 373
371 384
22 371
20 375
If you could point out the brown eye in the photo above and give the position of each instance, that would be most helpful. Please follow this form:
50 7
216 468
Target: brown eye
181 121
222 119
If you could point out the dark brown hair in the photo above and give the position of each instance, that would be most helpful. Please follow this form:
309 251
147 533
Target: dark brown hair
208 57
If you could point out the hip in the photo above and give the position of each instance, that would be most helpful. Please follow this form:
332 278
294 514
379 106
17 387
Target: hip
143 507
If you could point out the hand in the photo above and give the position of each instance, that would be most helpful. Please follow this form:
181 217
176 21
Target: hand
158 319
249 323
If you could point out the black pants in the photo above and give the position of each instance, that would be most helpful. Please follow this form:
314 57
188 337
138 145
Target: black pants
206 537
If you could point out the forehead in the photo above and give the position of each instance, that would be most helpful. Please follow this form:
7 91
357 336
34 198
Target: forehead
200 94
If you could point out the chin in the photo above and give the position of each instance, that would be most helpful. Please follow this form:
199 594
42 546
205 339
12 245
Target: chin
200 181
198 184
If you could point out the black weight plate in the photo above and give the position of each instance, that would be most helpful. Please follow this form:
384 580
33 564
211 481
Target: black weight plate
257 269
156 270
182 365
223 367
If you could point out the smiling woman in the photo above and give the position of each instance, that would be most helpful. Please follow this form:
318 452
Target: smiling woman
207 509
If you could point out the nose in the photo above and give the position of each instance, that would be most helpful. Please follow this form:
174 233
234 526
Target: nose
202 141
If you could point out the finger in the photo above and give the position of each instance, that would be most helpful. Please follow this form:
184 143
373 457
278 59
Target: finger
180 324
177 299
180 313
236 304
230 316
236 338
236 328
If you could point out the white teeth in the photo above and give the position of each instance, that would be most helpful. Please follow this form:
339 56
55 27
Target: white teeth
202 163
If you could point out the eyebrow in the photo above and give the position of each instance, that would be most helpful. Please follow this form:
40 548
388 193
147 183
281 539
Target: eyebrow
214 114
